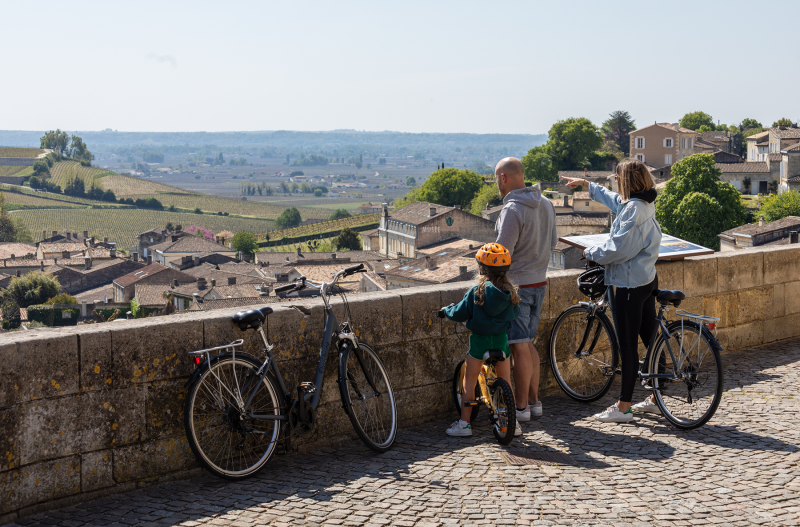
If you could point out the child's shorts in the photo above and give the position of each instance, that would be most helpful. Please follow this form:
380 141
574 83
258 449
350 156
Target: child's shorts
480 344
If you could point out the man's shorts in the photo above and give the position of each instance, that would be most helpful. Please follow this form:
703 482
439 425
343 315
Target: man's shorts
480 344
526 325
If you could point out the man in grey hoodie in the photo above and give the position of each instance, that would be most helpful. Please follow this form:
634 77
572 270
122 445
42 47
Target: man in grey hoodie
527 228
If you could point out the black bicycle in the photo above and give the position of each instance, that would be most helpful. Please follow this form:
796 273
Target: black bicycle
238 406
682 366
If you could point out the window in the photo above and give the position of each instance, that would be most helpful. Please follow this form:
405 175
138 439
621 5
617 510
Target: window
587 203
562 259
668 142
640 143
640 157
554 258
668 159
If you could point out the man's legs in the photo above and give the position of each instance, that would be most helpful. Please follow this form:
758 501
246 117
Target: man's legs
533 392
524 373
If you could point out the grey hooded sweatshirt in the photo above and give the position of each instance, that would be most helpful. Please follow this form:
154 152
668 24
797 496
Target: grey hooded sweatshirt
527 228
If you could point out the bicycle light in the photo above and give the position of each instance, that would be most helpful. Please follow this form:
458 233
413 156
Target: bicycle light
197 360
712 326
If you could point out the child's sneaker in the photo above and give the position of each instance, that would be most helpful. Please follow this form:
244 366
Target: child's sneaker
536 409
524 415
613 415
459 429
518 430
646 407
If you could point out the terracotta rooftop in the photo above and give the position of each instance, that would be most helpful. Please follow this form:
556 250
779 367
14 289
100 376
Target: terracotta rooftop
759 137
720 136
320 273
752 229
373 277
451 247
592 174
189 244
225 303
151 295
17 249
582 219
373 232
786 132
442 269
793 148
748 167
277 258
676 128
135 276
419 212
210 271
99 293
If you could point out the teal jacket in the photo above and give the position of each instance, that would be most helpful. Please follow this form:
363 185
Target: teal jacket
494 317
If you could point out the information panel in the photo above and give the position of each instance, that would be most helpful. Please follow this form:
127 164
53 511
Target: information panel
672 248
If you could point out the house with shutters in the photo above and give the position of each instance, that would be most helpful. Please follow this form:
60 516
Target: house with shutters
662 144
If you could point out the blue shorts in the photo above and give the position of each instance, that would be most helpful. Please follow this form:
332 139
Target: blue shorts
526 325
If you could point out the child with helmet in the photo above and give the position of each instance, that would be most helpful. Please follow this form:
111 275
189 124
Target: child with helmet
488 309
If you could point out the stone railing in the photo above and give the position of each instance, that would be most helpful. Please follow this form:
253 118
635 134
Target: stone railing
92 410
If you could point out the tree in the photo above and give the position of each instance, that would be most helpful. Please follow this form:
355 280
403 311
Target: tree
109 196
153 157
33 288
480 167
7 230
488 196
289 218
750 123
339 214
245 242
782 122
347 239
449 187
779 206
538 165
695 205
22 233
694 120
75 187
55 140
617 130
79 151
571 141
40 167
382 161
62 298
411 181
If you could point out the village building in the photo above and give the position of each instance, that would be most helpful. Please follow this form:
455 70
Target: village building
662 144
178 247
125 286
432 270
157 236
779 232
790 168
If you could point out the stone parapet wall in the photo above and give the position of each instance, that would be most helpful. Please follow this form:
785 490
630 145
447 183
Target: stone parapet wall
19 161
92 410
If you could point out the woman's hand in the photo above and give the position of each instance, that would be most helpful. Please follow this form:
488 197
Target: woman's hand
575 182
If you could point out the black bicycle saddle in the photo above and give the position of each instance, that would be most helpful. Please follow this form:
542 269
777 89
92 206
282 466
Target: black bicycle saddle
665 296
251 318
494 356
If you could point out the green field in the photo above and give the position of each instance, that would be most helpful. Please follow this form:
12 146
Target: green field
14 170
63 171
323 227
12 151
123 225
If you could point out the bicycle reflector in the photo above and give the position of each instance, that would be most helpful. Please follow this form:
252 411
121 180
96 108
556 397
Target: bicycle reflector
592 282
712 326
197 360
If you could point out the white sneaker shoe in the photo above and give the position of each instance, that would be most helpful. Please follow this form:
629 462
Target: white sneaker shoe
524 415
536 409
459 429
613 415
518 430
646 407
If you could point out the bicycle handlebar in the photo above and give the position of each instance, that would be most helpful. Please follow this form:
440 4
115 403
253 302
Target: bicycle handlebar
353 269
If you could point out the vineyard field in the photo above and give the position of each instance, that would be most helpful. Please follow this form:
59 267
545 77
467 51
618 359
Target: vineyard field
65 200
129 186
12 151
123 225
325 226
13 198
14 170
64 170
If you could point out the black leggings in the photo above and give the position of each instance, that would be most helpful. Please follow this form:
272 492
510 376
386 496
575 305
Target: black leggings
634 310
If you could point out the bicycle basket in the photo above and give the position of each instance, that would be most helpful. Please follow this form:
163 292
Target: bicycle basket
592 282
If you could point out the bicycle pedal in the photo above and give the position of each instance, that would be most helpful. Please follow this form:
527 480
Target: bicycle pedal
470 404
307 387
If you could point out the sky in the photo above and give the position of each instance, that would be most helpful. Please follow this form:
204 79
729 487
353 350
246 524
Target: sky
462 66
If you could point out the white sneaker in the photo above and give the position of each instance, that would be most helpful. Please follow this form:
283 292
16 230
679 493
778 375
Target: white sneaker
646 407
613 415
524 415
536 409
459 429
518 430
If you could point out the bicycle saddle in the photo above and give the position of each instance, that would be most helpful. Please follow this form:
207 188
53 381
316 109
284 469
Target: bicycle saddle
494 356
252 318
665 296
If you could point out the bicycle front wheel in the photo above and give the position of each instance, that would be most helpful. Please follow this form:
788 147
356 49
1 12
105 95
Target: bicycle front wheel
367 397
690 399
224 440
583 353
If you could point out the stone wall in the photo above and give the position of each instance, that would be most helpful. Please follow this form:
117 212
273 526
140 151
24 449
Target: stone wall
18 161
93 410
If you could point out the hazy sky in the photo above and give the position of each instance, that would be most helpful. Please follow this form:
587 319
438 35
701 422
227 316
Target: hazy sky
429 66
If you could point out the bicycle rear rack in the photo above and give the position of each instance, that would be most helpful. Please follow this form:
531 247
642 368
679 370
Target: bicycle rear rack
703 320
227 347
220 385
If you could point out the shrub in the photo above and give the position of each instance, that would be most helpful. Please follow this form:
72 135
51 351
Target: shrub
53 316
33 289
62 298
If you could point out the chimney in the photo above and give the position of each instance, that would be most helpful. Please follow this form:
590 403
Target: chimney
433 211
470 247
175 238
55 233
458 207
231 280
298 250
793 237
44 235
69 235
385 209
42 262
105 239
196 261
112 253
175 282
149 259
216 239
201 283
18 273
55 262
566 201
85 234
135 256
87 263
222 241
761 222
213 282
333 256
263 290
462 271
585 172
65 254
91 240
427 262
178 228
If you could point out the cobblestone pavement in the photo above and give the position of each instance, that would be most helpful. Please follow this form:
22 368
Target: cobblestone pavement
740 469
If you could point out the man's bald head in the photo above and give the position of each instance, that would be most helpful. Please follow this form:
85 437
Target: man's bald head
510 175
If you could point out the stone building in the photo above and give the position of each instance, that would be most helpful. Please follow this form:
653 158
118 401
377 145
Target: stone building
662 144
177 247
421 224
125 286
370 240
778 232
790 168
432 270
156 236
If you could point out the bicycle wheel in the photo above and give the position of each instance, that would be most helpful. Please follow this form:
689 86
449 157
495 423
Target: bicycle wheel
224 441
458 383
689 400
504 416
583 363
367 397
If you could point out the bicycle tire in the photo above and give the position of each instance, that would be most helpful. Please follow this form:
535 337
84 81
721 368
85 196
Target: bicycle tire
580 379
504 424
674 398
374 422
207 402
458 377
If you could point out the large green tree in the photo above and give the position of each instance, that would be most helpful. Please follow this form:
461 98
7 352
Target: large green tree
775 207
33 288
571 142
347 239
489 196
449 187
782 122
8 231
538 165
695 205
617 130
289 218
339 214
695 120
244 242
750 123
55 140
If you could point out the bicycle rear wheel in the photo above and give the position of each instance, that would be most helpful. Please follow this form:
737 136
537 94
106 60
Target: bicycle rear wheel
583 363
367 397
458 386
504 414
223 440
689 400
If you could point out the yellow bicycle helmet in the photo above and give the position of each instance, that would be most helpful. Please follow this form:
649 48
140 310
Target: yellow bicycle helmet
493 257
